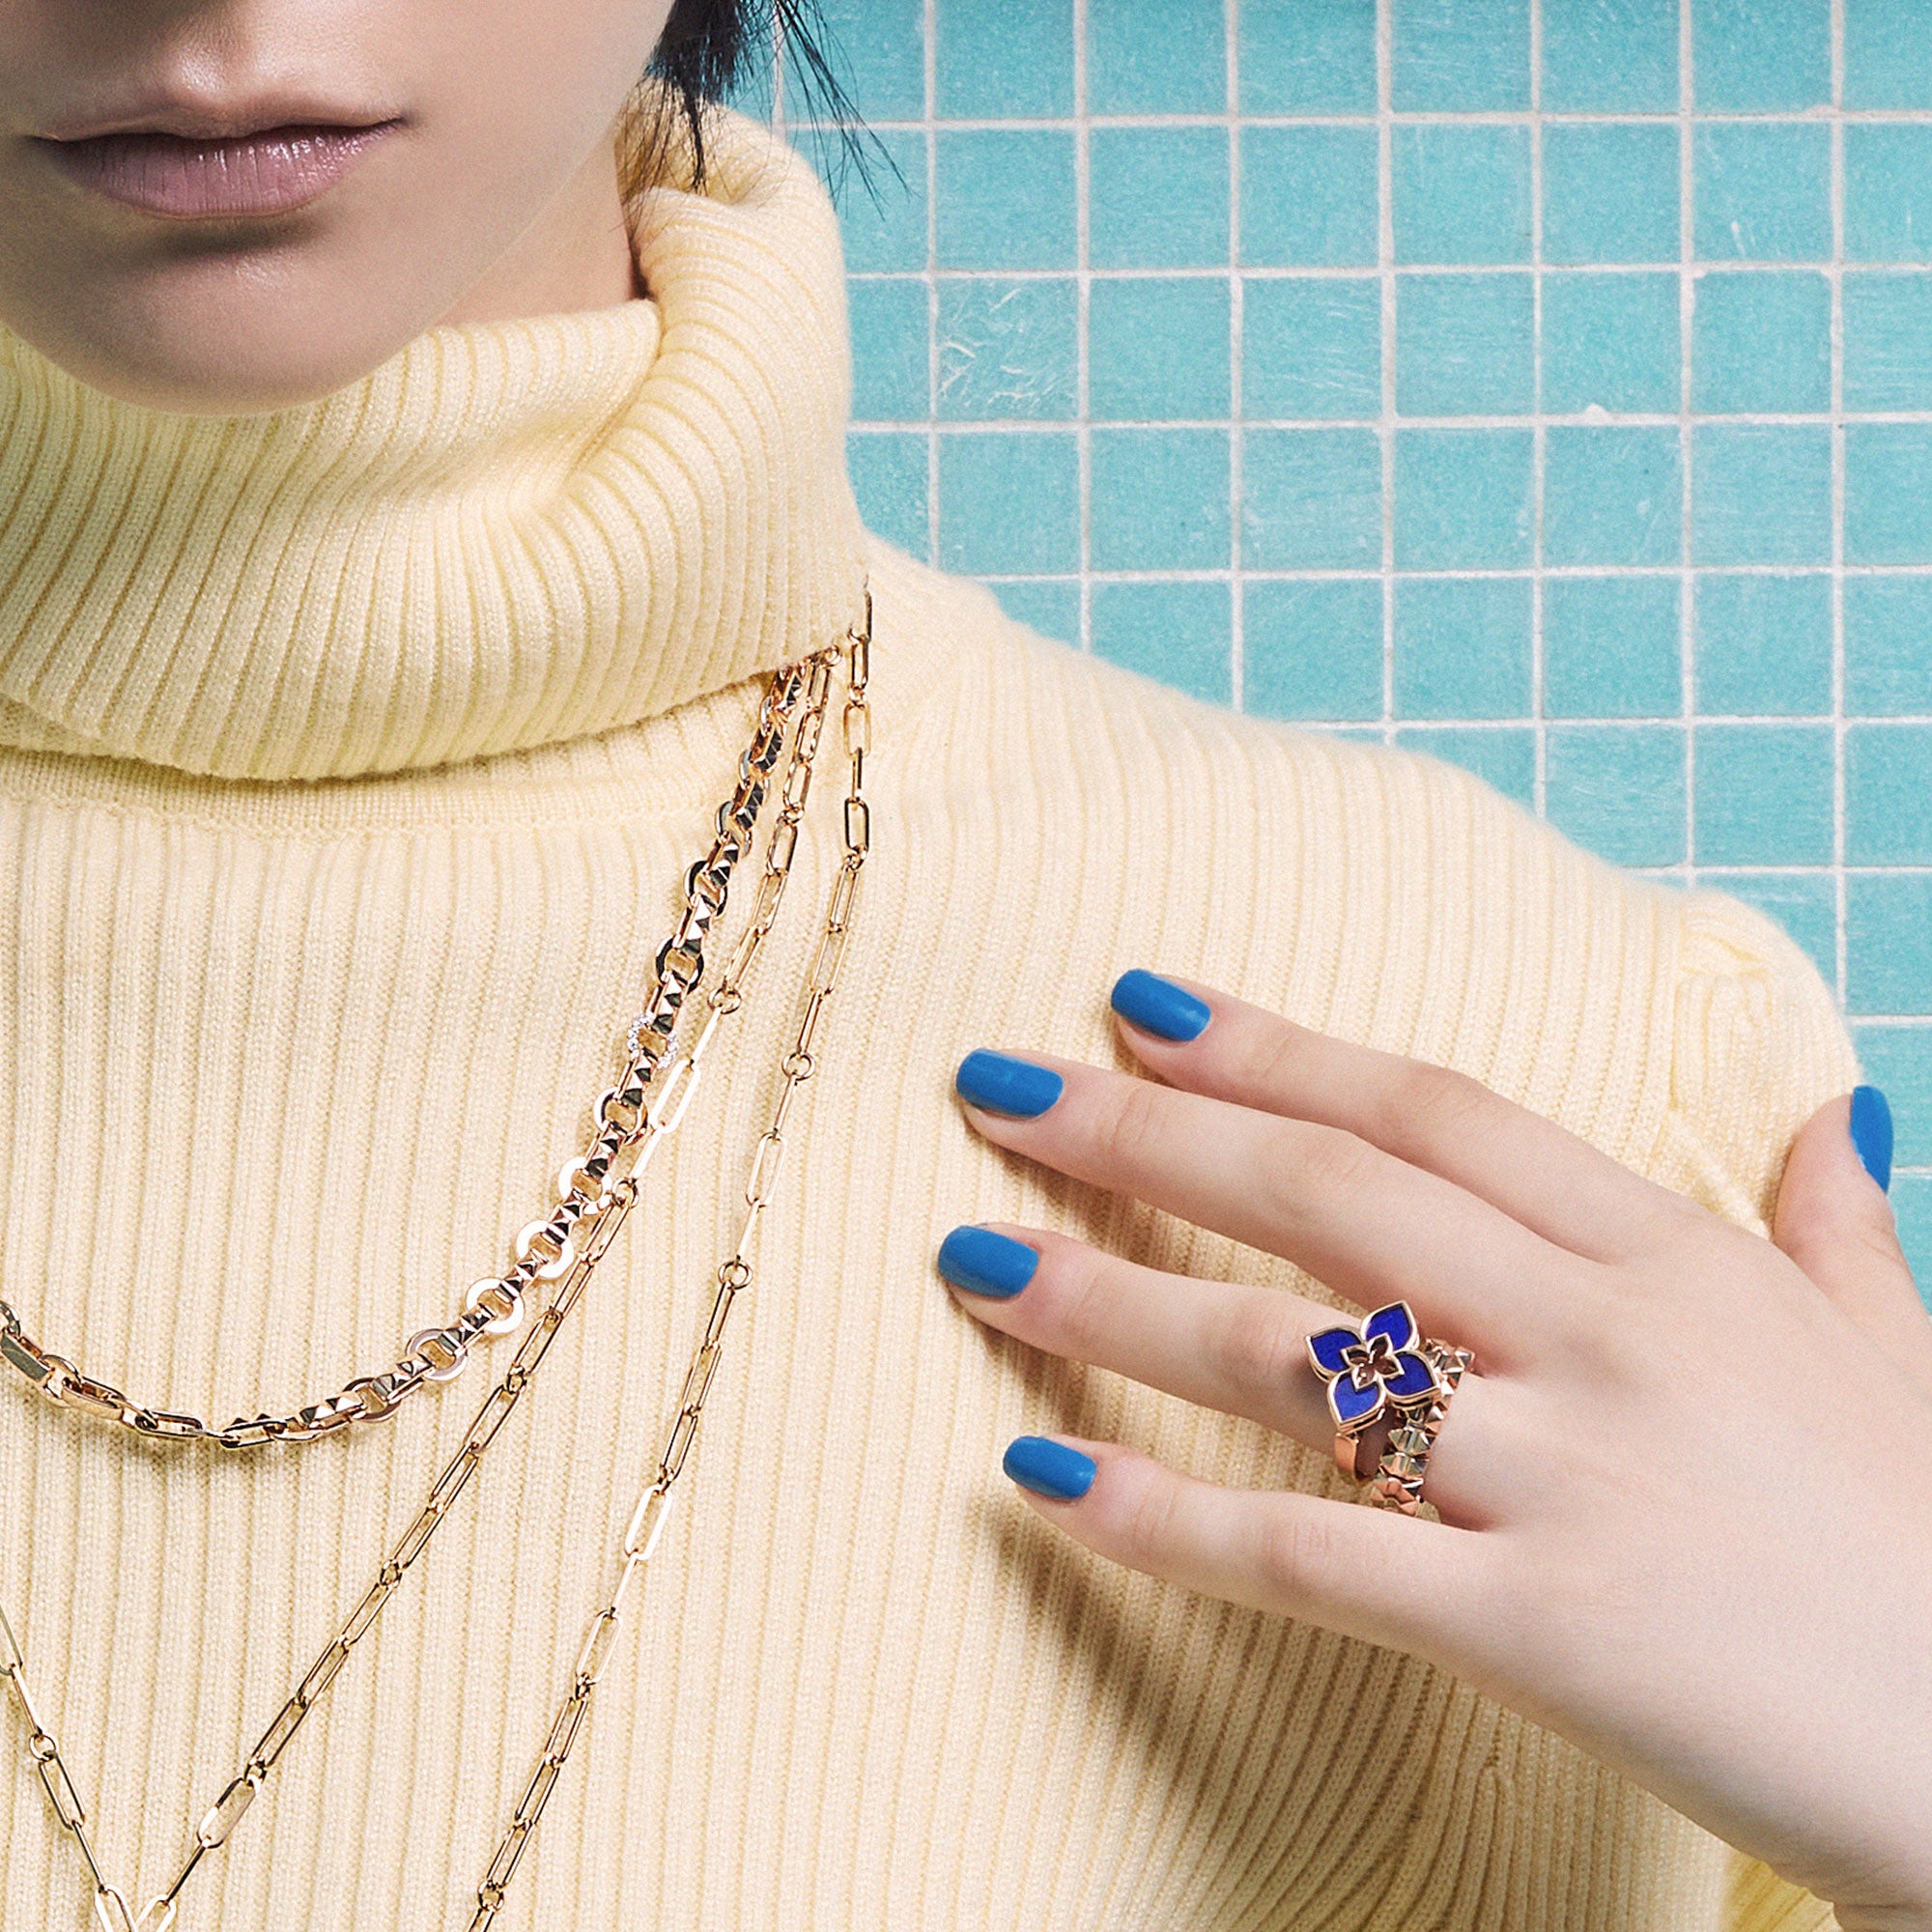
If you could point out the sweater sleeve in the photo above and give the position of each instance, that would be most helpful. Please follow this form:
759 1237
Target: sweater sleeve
1758 1045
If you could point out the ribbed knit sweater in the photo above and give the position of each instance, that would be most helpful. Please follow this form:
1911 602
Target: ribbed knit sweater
350 759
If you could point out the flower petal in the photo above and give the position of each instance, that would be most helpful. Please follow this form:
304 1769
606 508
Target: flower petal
1415 1380
1326 1347
1397 1321
1352 1407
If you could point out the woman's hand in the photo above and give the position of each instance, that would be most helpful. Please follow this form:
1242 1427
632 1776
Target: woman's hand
1686 1492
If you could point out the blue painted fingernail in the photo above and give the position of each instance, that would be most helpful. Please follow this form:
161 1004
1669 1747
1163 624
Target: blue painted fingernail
1048 1468
1004 1085
1871 1133
984 1263
1158 1005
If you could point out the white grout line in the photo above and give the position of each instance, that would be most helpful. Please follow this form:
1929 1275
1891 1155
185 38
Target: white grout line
1686 303
1841 962
1540 457
1237 635
1385 260
929 26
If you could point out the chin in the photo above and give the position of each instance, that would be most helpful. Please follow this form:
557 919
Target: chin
229 337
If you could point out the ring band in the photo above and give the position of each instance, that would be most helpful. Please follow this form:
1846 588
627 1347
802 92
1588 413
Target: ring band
1398 1483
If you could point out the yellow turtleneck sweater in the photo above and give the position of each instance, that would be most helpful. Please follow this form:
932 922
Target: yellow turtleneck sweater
351 758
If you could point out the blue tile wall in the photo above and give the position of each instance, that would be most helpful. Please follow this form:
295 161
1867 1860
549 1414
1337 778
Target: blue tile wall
1482 384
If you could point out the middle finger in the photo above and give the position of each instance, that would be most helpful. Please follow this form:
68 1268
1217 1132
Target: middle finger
1363 1222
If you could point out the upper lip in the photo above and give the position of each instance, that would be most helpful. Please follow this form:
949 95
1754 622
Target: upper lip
209 121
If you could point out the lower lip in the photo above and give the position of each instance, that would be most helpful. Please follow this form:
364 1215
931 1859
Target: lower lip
264 173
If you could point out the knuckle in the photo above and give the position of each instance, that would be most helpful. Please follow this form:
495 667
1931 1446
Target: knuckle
1148 1521
1297 1550
1260 1348
1078 1306
1315 1162
1426 1103
1127 1132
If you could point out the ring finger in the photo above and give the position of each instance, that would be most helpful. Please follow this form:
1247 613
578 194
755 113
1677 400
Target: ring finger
1229 1346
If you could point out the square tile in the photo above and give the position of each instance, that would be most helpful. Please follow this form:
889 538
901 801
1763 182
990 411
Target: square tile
1611 495
1610 56
1764 191
1764 645
1312 499
1311 348
1178 632
1157 348
890 381
1308 197
1612 647
1010 502
997 58
1465 344
1312 650
1898 1058
1308 59
1761 494
884 230
1805 904
1456 56
1461 194
1462 498
1887 53
1609 194
1761 342
1156 57
1888 645
1159 500
1009 351
1609 342
1763 795
1157 197
1618 789
1889 943
1888 192
890 477
1888 492
1888 795
880 57
1048 605
1006 198
1461 646
1503 758
1888 342
1761 56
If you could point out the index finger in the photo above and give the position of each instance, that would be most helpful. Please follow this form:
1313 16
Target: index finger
1431 1117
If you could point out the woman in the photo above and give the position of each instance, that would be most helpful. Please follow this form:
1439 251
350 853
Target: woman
400 522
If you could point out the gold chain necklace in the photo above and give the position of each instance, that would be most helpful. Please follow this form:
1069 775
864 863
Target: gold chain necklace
593 1197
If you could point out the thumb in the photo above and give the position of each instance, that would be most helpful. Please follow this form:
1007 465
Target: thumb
1834 1221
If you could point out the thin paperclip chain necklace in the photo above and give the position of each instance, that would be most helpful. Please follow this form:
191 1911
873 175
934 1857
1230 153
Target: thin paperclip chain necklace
680 965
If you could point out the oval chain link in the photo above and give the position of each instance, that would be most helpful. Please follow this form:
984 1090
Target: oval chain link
546 1249
630 1118
733 1278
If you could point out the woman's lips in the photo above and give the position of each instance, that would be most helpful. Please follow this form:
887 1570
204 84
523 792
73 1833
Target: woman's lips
264 173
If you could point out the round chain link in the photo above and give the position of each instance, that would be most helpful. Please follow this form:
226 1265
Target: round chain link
631 1119
545 1250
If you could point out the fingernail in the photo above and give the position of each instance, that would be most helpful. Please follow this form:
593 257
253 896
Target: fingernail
1158 1005
984 1263
1047 1467
1871 1133
1004 1085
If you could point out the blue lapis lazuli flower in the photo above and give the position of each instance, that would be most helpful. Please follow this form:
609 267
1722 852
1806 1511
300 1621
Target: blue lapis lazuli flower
1373 1367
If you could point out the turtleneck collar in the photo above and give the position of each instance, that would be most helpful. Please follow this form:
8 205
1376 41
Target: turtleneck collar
508 534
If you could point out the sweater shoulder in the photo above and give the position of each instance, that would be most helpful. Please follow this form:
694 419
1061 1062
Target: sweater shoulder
1381 895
